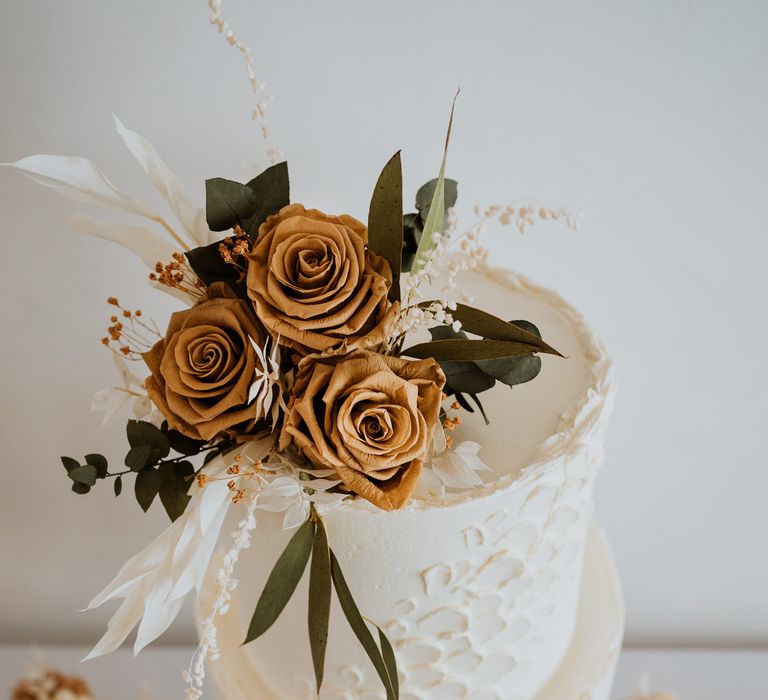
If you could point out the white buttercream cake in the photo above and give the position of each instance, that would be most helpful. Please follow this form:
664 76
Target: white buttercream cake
479 590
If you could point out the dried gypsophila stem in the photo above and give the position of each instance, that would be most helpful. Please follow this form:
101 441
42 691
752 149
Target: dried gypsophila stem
440 263
259 112
177 274
526 213
234 250
128 335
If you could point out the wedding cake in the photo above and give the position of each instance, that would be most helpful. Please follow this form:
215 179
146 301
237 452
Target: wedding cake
504 592
401 439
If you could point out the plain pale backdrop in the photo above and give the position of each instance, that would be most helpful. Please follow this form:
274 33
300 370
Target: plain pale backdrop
652 117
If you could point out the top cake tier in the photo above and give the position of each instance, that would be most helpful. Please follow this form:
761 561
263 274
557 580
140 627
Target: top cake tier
477 589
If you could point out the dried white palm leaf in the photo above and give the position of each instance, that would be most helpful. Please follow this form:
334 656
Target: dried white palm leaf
191 217
155 582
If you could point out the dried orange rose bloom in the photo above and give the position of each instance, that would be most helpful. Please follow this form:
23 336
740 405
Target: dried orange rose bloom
369 417
203 368
314 284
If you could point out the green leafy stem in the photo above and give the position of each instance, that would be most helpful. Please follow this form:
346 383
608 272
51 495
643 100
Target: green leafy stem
324 575
157 473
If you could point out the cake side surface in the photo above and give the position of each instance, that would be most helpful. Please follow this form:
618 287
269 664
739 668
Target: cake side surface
478 589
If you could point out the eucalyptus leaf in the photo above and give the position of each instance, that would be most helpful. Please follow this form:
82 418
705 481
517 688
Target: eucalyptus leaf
80 488
137 457
319 609
69 463
84 474
272 192
146 487
100 462
183 444
412 230
426 193
174 484
527 326
282 581
359 627
228 203
466 377
385 220
512 370
459 350
142 432
118 485
435 221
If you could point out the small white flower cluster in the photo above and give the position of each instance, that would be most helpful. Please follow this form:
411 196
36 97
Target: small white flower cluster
259 112
292 491
439 265
226 583
454 467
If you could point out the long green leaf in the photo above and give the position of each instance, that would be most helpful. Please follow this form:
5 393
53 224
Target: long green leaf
459 350
492 327
388 654
357 623
319 610
282 581
385 220
435 222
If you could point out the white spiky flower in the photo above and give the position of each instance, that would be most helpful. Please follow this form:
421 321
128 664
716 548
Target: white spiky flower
266 376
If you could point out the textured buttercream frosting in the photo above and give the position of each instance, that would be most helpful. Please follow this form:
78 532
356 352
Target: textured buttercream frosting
478 589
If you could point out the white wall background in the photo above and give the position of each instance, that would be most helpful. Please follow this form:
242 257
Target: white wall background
651 116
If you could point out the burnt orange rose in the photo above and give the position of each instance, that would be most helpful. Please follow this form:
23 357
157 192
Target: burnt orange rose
314 284
203 369
368 416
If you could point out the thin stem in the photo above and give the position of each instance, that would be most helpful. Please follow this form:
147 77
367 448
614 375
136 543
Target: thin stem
127 471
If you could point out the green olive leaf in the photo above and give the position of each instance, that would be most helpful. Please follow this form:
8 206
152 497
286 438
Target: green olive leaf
363 634
460 350
385 220
319 609
492 327
282 582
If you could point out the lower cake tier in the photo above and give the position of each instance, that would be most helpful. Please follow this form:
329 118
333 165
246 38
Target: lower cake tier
585 672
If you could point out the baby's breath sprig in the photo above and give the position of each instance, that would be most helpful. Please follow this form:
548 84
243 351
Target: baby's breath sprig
128 335
177 274
234 250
